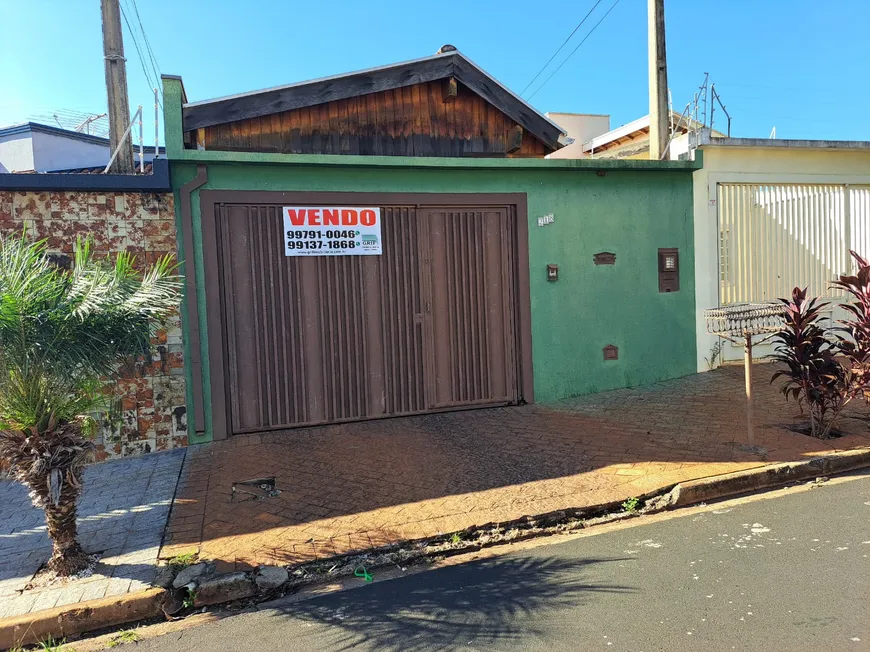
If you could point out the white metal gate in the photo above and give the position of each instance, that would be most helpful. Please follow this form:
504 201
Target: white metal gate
773 237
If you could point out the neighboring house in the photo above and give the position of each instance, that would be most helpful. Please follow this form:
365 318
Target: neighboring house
130 213
632 140
34 147
492 276
581 128
771 215
593 137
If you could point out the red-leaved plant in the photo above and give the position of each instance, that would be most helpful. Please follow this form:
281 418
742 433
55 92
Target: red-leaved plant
826 367
813 376
853 335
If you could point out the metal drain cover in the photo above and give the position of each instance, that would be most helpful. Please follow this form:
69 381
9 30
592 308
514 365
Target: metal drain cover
256 489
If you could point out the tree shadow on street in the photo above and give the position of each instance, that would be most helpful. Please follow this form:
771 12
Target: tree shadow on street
492 602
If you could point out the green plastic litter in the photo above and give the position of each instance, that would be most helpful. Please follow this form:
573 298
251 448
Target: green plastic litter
363 573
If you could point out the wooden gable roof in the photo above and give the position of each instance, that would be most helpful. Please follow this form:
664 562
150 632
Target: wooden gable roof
443 105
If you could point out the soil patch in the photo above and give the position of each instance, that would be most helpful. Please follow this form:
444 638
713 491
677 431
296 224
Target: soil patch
804 429
45 578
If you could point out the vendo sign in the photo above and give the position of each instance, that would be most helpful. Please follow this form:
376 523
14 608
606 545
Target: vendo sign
332 231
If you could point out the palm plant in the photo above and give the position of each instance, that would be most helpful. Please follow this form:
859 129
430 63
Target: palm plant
62 334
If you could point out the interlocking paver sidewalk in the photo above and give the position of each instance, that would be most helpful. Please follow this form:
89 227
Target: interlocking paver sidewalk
353 486
122 513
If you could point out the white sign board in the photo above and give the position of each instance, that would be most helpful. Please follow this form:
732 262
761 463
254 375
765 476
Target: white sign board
332 231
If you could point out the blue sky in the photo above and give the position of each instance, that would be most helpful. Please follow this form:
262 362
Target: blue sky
799 65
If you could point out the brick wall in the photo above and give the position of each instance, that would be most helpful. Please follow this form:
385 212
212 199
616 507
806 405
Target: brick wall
152 412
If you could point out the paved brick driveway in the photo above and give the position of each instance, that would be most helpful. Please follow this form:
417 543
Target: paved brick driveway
122 513
352 486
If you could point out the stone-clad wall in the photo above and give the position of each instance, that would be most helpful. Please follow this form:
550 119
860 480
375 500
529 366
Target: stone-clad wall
151 409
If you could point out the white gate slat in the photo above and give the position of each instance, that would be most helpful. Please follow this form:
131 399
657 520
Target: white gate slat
774 237
859 207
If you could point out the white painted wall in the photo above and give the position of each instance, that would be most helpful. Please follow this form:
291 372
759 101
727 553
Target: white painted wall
16 153
582 128
679 146
55 152
41 151
757 164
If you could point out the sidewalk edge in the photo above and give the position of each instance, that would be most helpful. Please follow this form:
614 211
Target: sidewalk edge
107 612
60 622
730 484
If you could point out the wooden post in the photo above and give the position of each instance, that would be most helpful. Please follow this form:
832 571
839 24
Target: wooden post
747 372
116 87
451 89
514 140
659 114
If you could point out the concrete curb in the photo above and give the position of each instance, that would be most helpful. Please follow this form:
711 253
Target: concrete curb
773 475
107 612
61 622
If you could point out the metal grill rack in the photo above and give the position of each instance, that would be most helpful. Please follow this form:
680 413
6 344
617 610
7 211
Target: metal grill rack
740 323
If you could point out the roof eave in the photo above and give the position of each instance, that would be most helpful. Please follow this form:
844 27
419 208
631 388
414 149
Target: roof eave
38 127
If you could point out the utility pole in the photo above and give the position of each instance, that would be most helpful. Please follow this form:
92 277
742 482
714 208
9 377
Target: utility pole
116 87
659 116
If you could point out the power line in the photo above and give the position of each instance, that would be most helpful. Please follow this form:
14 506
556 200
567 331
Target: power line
154 64
152 60
136 44
550 60
575 49
151 84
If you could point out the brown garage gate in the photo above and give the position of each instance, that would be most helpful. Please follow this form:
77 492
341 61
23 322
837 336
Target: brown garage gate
438 321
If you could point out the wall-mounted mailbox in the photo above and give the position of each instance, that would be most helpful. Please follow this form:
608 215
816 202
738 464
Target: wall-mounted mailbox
611 352
604 258
669 270
552 272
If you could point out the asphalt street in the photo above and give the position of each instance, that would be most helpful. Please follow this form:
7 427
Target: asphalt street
789 573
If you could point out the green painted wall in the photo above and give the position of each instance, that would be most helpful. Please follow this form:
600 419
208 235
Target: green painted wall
633 210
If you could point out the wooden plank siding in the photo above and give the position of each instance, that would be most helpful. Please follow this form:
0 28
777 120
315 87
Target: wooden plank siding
417 120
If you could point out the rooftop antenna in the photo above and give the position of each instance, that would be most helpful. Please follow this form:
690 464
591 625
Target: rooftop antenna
85 125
